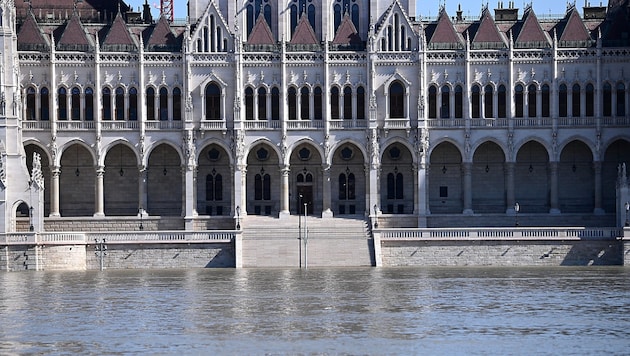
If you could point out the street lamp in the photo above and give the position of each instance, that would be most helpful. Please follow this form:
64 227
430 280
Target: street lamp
516 209
238 218
305 236
32 228
627 210
141 212
300 228
375 216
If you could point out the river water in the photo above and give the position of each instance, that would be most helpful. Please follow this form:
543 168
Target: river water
364 311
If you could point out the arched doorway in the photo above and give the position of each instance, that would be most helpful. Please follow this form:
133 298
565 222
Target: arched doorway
29 150
120 182
618 152
77 182
397 185
348 180
576 188
305 175
214 182
164 182
263 181
488 179
446 193
531 178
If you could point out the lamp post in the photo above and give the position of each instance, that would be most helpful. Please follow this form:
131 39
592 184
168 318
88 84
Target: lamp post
101 251
300 228
32 228
375 216
238 218
305 237
141 212
516 209
627 206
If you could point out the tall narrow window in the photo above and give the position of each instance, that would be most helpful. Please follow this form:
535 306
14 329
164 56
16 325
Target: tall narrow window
518 100
575 101
262 103
621 100
75 104
347 103
133 104
459 102
590 100
89 104
531 101
120 104
445 107
347 186
107 104
213 102
177 104
475 101
432 102
562 101
63 104
334 103
30 103
305 103
249 104
275 103
44 98
607 100
502 101
360 103
317 103
396 101
488 101
150 104
163 104
546 99
292 98
395 187
214 187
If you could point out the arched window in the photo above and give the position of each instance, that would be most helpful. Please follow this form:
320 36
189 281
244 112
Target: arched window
297 7
75 104
334 103
502 101
214 187
459 102
590 100
488 101
395 185
575 101
607 99
531 101
305 102
249 104
347 186
318 105
63 104
107 104
163 104
292 101
475 100
275 103
213 102
44 98
253 11
396 101
562 101
545 98
177 104
518 100
262 187
133 104
432 102
262 103
446 103
89 104
30 103
120 104
360 103
347 103
621 100
150 103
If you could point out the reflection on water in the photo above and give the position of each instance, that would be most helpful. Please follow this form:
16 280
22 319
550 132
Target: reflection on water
320 311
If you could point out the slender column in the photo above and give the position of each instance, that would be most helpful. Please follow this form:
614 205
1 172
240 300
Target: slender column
416 182
284 191
509 187
597 167
142 187
100 201
54 191
467 167
327 191
554 188
189 191
240 183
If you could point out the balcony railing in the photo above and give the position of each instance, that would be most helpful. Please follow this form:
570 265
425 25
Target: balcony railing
533 233
120 125
119 237
397 124
304 124
213 125
75 125
261 124
348 124
163 125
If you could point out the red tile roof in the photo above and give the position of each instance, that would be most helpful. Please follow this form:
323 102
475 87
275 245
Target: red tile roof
572 28
487 31
30 34
346 33
261 33
162 36
304 33
118 33
74 34
529 30
444 31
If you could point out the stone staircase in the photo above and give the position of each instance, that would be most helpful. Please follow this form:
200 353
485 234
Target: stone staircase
332 242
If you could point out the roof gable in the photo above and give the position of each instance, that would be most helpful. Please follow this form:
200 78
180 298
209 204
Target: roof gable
487 34
393 13
261 33
530 31
572 29
162 38
30 36
444 35
118 36
346 33
74 37
304 33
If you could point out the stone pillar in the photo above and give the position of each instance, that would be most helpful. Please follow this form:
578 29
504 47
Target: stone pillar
423 197
142 187
597 167
240 183
54 191
509 187
190 194
467 167
553 181
100 200
327 192
284 191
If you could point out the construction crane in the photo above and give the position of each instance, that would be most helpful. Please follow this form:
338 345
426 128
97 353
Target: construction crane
166 9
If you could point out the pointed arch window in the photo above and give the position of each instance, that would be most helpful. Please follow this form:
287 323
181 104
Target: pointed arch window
163 104
432 102
305 106
360 103
292 101
275 103
347 103
502 101
347 186
562 101
213 102
607 99
518 100
575 100
337 16
30 103
133 104
63 104
253 11
75 104
395 185
445 107
44 98
531 101
318 105
177 104
89 104
475 98
120 104
150 103
590 100
334 103
488 101
262 186
396 100
459 102
621 100
214 187
249 104
262 104
107 104
545 101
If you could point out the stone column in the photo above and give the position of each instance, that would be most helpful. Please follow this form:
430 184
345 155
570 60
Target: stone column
554 188
100 200
284 191
597 167
54 191
327 192
467 167
423 196
142 187
509 187
189 191
240 183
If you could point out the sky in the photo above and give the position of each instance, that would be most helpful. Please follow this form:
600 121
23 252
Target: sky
471 8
